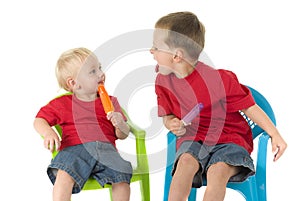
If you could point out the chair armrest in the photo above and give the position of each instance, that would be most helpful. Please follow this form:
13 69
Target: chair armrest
138 132
171 148
141 153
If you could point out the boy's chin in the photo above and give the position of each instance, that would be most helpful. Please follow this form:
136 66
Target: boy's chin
162 70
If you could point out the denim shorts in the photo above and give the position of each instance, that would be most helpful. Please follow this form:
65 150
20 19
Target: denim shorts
93 159
206 155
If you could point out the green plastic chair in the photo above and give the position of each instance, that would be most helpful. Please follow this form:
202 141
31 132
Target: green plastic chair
140 172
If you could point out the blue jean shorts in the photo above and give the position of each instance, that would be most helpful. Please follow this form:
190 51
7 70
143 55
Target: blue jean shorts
206 155
94 159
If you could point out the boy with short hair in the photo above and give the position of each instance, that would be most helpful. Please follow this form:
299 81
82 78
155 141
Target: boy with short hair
88 140
219 141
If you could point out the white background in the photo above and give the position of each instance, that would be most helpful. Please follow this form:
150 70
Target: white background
258 40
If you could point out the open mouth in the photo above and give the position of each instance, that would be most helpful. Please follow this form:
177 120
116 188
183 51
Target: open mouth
156 68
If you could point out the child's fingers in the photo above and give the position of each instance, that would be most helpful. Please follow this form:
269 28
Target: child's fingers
109 115
279 151
57 144
51 145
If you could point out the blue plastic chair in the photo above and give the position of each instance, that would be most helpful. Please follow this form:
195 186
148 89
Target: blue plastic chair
252 189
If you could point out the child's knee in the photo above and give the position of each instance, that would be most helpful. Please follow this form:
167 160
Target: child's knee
222 169
187 160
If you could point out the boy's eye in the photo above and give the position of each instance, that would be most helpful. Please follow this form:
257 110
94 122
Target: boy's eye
154 48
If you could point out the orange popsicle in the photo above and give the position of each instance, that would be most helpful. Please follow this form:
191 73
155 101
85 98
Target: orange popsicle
106 102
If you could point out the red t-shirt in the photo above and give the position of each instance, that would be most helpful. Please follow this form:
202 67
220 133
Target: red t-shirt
222 97
80 121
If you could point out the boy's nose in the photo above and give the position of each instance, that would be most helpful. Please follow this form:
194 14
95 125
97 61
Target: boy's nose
151 51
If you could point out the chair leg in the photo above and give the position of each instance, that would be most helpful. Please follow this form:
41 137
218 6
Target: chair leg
145 187
171 153
247 189
168 179
193 195
110 193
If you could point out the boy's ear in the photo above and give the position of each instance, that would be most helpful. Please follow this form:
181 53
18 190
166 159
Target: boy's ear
178 56
71 83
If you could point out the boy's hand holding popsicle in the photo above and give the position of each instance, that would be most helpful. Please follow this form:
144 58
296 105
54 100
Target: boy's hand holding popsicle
116 118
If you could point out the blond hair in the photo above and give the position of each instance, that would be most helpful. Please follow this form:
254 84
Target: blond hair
185 24
69 64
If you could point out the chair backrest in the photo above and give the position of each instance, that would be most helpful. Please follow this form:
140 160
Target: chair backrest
262 102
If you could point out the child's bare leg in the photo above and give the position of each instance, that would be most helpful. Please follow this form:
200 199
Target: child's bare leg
63 185
181 184
218 176
121 191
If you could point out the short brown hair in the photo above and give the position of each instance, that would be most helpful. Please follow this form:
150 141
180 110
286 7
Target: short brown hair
187 24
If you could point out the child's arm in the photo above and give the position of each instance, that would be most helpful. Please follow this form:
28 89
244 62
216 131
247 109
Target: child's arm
257 115
49 135
122 129
174 124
